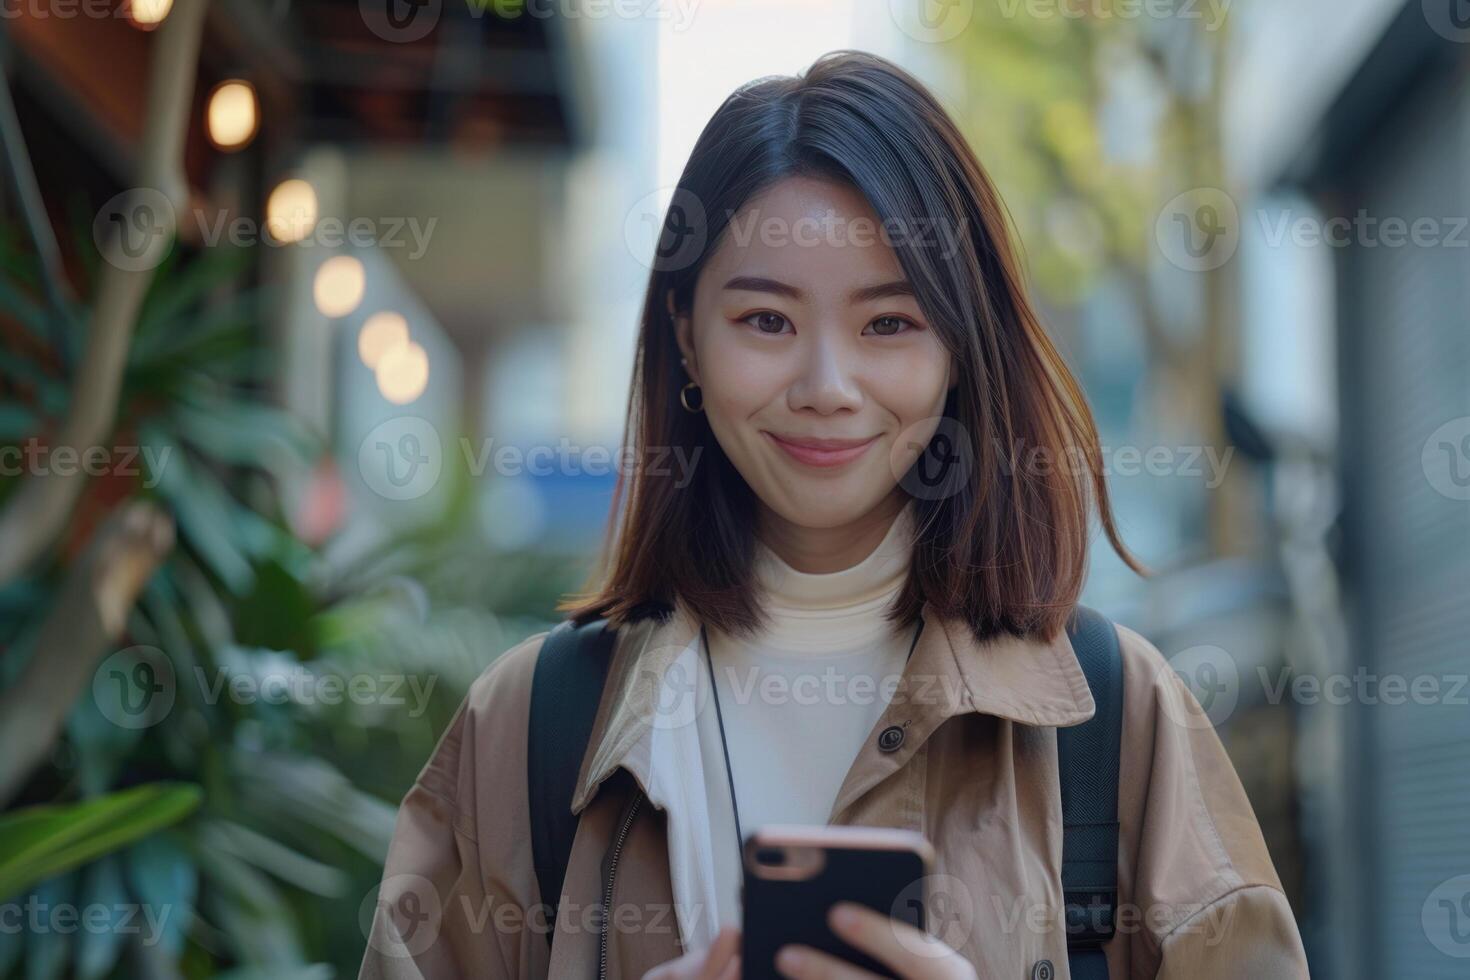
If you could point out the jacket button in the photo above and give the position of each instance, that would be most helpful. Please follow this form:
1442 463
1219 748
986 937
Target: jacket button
1043 970
890 739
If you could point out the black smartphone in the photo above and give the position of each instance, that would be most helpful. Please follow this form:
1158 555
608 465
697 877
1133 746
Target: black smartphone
794 875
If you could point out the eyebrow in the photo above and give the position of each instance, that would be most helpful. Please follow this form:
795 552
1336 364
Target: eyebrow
863 294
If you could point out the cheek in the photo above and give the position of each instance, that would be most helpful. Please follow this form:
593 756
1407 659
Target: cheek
737 381
912 388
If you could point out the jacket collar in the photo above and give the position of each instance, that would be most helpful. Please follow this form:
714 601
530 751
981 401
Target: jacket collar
950 673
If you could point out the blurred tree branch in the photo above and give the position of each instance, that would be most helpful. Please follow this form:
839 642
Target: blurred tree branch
88 615
22 180
36 513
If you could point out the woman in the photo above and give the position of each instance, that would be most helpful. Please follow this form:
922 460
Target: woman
867 575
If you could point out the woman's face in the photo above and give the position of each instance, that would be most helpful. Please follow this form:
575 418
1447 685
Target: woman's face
821 377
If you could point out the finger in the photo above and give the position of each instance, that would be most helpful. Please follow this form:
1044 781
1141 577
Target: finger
898 945
806 963
732 969
672 970
725 946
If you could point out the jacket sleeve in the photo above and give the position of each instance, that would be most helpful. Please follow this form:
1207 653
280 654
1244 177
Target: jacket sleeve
1199 896
458 895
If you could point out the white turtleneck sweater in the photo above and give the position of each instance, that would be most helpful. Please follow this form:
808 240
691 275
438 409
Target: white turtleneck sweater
799 700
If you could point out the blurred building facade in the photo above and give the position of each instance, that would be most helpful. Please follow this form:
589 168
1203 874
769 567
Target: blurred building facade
1349 136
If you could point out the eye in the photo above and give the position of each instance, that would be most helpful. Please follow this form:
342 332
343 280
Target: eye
889 326
766 321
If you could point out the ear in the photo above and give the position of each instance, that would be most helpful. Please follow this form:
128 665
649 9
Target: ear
684 337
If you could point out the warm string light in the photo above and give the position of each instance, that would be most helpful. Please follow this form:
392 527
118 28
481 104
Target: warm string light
399 365
148 14
403 373
291 211
233 115
339 286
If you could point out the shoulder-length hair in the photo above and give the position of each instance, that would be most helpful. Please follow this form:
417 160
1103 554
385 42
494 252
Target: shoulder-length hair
1004 549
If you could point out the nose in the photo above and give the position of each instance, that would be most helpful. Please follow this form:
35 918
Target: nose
825 380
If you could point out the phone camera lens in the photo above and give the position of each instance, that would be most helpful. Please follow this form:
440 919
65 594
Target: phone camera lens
771 855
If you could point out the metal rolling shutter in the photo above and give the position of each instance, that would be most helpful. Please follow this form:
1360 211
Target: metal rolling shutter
1406 333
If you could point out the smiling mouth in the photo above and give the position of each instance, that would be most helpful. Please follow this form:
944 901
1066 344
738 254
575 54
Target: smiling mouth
821 452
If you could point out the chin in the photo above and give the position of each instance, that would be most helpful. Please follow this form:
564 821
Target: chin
822 506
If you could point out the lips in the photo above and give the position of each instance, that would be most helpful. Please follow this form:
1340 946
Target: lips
814 451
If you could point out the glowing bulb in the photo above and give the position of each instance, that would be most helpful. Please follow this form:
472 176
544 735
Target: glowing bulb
148 14
232 115
403 373
339 285
290 211
380 334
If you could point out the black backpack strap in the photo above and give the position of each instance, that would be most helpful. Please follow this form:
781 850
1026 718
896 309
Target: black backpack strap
571 668
1087 756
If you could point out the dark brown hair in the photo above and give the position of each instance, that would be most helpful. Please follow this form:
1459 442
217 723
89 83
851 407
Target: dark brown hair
1005 547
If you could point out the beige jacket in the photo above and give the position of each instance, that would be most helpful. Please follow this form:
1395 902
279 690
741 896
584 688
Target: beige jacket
975 772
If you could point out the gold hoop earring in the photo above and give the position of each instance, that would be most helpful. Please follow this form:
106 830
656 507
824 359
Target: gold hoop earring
684 398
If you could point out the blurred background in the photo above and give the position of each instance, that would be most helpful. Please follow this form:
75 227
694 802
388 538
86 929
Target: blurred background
318 319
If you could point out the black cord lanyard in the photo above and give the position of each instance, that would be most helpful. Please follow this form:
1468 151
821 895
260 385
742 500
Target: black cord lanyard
725 746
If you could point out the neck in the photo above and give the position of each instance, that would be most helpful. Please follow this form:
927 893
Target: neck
822 550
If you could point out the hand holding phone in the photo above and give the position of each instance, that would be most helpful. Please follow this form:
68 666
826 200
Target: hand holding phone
794 876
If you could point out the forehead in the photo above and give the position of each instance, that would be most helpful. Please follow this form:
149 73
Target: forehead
819 235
